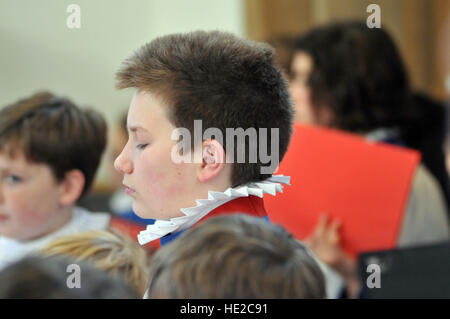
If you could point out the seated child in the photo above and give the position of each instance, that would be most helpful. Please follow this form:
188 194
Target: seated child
349 77
195 91
108 250
35 277
49 153
235 256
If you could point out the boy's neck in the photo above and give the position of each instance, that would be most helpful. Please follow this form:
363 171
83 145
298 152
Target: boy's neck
200 193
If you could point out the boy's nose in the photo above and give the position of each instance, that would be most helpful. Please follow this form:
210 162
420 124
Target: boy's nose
123 164
1 193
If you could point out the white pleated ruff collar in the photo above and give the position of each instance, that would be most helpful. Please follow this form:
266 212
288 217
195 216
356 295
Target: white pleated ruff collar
192 215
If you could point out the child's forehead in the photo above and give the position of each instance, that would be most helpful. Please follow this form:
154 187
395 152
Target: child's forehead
19 164
147 113
11 150
15 153
13 156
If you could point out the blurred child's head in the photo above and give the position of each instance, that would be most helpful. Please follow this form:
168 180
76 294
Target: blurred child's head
349 76
36 277
49 153
108 250
215 77
235 256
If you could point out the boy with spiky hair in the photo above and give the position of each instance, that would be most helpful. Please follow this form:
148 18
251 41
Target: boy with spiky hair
49 153
226 83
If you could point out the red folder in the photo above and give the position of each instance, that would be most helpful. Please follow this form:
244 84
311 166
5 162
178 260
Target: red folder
364 184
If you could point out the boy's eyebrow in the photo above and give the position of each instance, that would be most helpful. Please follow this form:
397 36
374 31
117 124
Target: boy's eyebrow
136 129
4 170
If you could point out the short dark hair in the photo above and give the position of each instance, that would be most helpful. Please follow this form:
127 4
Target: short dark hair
220 79
359 74
235 256
54 131
36 277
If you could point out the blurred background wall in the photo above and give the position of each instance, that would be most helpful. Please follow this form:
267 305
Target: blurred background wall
38 50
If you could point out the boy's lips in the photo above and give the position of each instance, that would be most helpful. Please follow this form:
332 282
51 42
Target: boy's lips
3 217
129 190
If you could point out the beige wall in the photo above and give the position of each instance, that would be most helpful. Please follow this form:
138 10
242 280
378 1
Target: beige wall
38 51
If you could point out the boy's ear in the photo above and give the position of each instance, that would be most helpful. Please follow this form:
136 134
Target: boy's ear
72 187
213 160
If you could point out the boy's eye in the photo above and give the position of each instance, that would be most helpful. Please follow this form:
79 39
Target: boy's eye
11 179
141 146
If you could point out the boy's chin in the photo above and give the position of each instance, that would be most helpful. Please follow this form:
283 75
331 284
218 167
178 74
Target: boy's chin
149 213
7 231
10 234
142 212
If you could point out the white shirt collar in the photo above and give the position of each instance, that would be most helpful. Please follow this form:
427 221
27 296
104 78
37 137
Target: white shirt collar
382 134
215 199
82 220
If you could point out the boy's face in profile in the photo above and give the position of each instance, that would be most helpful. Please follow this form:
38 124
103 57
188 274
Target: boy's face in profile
158 186
29 198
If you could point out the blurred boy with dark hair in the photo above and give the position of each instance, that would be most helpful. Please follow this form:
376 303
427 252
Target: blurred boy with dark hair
49 154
